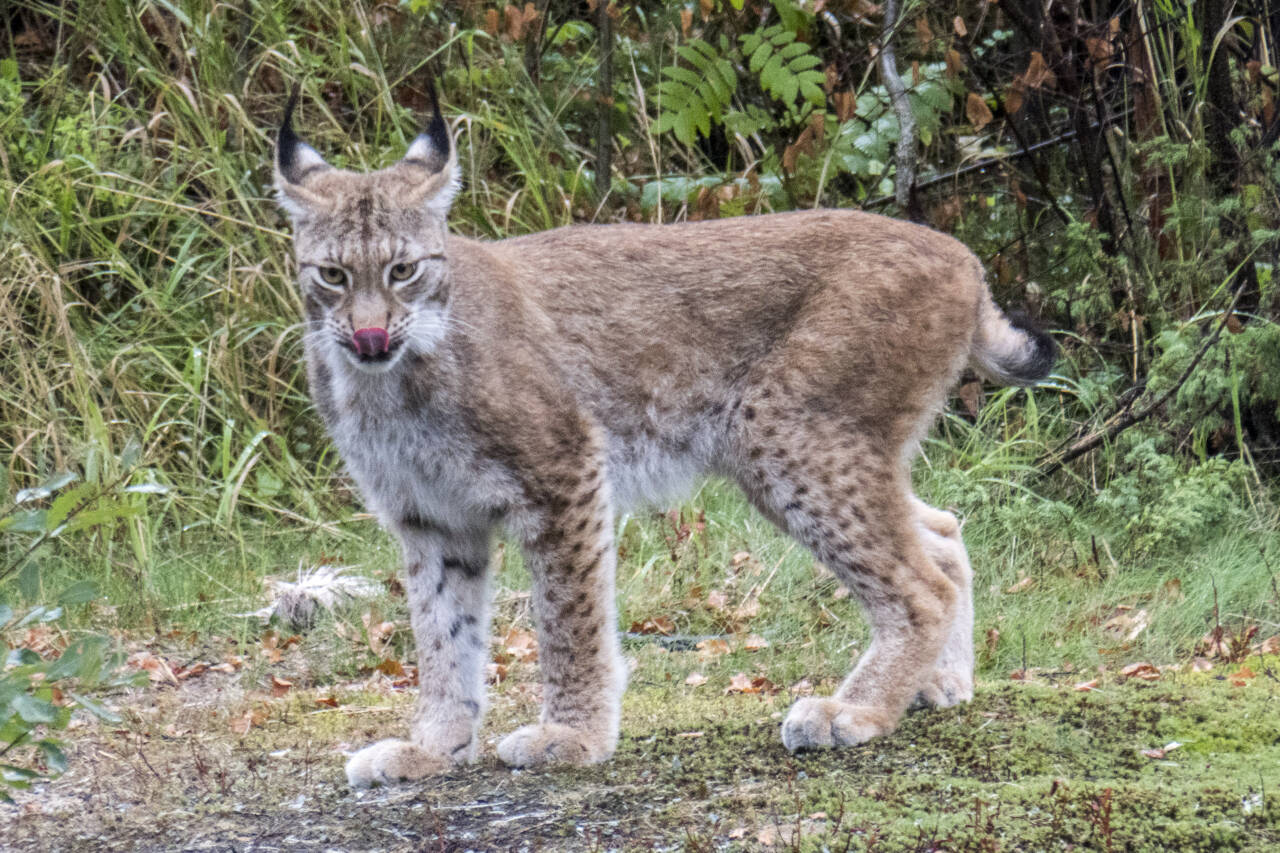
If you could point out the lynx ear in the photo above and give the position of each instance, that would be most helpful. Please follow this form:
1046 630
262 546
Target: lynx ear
434 163
295 162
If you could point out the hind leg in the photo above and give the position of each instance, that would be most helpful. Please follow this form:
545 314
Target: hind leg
855 512
952 680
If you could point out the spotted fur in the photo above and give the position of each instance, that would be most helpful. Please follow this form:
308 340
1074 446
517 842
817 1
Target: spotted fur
539 385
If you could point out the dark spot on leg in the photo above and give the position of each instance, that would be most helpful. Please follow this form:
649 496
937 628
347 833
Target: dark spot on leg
455 628
749 413
440 587
466 568
472 706
414 523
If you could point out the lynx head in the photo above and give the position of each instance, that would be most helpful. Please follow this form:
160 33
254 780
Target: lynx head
371 247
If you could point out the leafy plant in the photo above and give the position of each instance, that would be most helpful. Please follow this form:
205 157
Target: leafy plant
786 67
694 98
35 696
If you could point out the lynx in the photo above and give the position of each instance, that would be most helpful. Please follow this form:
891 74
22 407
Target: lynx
539 385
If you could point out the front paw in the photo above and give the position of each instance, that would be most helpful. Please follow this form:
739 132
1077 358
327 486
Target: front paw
390 761
552 743
817 722
945 689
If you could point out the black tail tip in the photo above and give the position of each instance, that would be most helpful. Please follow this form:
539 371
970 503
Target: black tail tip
1043 351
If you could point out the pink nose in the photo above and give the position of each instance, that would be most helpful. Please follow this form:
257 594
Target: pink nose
371 342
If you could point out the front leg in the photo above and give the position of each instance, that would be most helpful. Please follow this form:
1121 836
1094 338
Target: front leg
571 559
446 584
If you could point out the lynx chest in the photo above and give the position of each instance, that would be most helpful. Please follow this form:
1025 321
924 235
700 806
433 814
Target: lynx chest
415 460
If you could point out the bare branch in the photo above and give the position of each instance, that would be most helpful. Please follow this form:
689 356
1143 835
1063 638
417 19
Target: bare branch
904 180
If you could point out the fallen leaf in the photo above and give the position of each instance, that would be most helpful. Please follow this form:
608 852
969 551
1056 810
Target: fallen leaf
1163 751
1142 670
993 640
378 632
1086 686
280 687
1201 665
712 647
755 643
696 679
803 687
970 394
957 24
1242 675
156 668
1269 646
253 717
495 672
657 625
743 683
390 667
184 672
1124 626
1022 585
717 600
327 701
741 557
521 644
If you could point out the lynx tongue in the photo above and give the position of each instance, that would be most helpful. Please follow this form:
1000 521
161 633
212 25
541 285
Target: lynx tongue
371 342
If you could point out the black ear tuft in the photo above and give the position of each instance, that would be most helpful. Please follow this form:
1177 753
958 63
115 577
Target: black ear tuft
437 129
431 149
287 142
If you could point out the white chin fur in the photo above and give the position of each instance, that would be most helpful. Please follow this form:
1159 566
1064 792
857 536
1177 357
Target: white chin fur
373 367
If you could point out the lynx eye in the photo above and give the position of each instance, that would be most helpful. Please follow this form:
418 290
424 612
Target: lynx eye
335 276
402 271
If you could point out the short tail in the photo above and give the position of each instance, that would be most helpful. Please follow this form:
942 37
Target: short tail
1009 349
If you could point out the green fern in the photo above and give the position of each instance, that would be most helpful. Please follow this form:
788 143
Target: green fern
786 67
695 97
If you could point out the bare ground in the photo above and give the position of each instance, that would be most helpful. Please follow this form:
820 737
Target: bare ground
217 763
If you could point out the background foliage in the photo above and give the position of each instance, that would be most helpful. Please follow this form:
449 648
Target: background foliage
1114 164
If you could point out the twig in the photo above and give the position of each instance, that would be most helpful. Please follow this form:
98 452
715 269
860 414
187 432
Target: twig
905 178
1127 419
987 163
